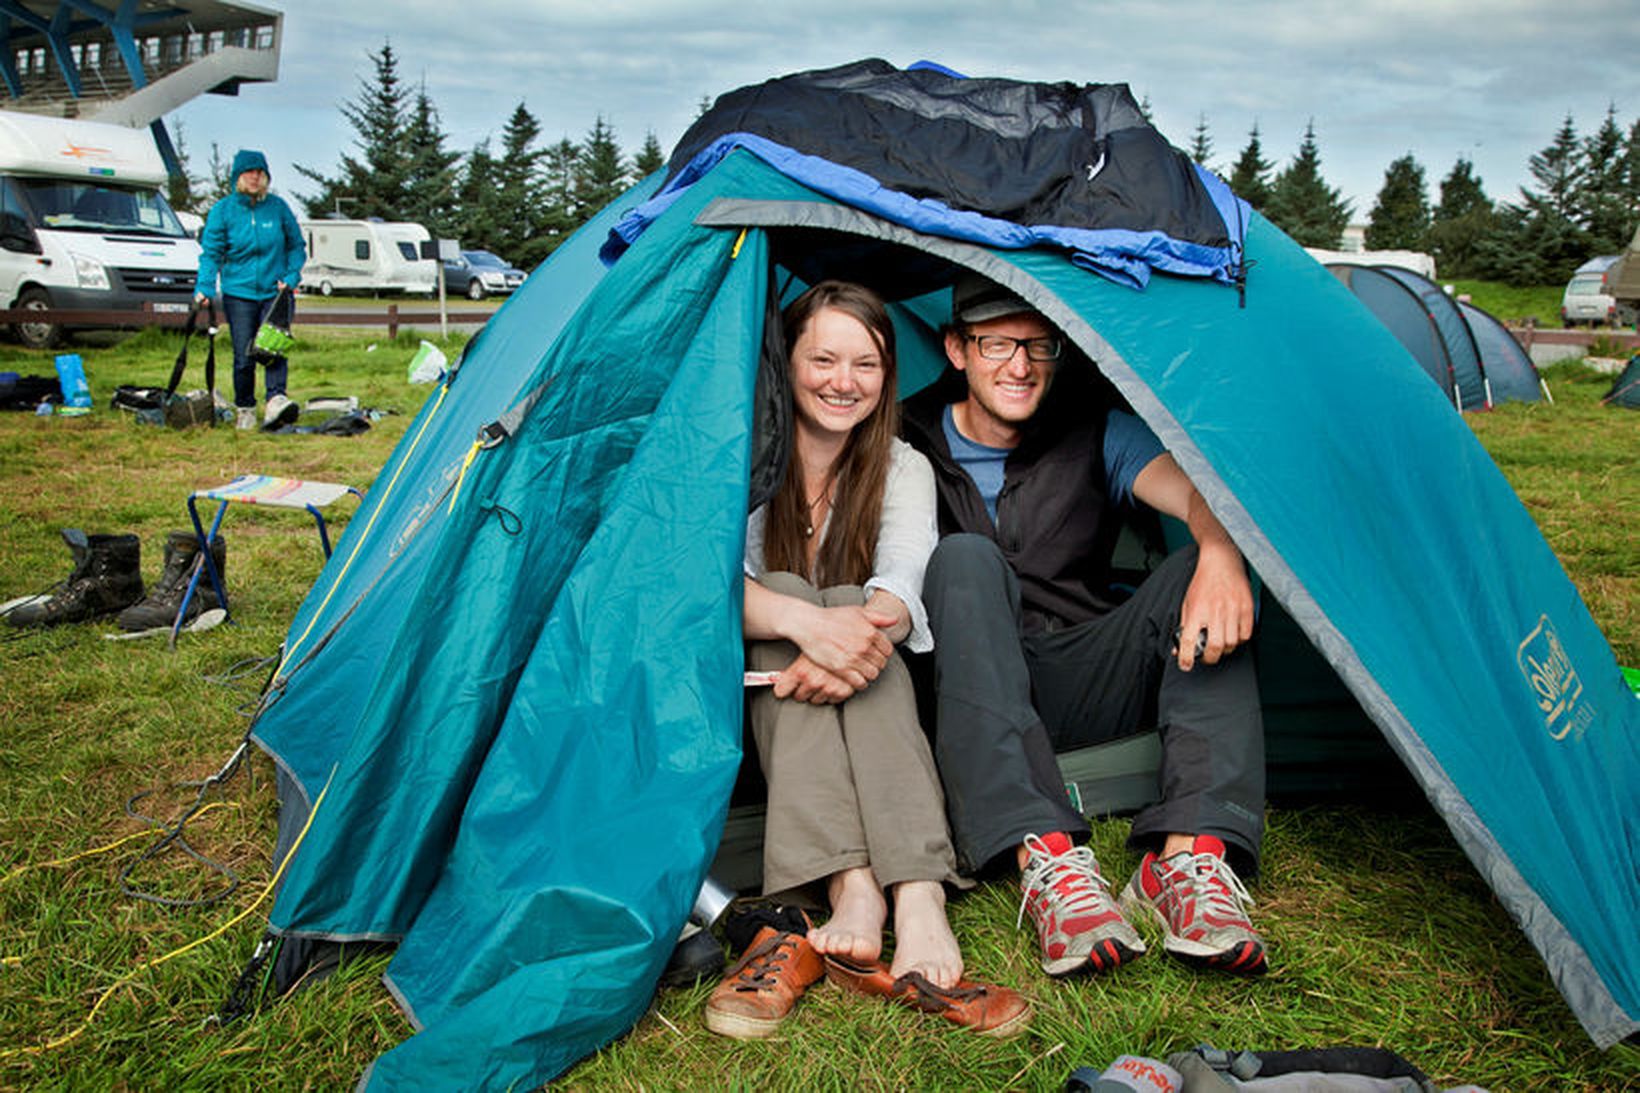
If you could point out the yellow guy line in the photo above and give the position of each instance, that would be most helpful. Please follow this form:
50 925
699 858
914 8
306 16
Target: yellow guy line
461 475
359 542
52 1045
149 833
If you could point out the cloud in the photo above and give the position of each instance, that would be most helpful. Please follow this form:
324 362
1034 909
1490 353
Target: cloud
1380 78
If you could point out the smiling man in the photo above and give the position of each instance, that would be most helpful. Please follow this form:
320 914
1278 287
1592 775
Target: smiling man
1034 652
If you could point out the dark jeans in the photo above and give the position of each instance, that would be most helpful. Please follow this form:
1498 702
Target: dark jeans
1007 701
244 318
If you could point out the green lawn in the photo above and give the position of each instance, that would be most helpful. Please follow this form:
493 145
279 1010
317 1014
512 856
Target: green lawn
1381 932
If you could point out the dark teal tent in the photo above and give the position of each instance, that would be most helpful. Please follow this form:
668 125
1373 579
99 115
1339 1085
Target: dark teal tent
1462 348
512 700
1625 390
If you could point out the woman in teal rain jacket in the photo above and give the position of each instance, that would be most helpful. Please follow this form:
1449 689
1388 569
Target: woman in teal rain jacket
253 244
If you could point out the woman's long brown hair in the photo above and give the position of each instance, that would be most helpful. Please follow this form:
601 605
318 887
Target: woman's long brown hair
847 554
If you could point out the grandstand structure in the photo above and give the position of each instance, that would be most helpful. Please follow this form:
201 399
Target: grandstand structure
131 62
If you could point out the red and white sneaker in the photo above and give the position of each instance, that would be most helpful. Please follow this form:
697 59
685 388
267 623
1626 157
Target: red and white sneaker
1199 901
1078 925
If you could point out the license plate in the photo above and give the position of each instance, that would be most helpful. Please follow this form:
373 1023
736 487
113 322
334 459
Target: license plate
171 308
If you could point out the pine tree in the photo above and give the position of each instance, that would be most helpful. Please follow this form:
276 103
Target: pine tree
1600 204
1250 178
518 200
182 187
600 171
1558 171
1539 241
1201 144
1303 205
1400 218
559 165
373 184
1462 219
1630 184
431 177
650 158
477 201
216 184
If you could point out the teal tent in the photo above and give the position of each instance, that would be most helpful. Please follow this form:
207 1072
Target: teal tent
512 701
1625 391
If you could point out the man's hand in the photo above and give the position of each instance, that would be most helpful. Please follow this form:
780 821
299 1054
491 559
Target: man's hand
1218 601
848 642
805 681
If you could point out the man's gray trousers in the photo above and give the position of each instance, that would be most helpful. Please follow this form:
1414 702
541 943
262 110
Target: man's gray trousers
1007 701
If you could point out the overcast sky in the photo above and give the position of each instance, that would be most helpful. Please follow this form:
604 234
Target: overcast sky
1488 79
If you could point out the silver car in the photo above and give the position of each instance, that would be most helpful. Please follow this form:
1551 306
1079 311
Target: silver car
1586 299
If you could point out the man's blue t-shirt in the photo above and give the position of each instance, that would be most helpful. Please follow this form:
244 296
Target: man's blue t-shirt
1129 448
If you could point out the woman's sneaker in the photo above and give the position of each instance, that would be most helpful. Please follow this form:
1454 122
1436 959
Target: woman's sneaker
1200 903
1078 926
279 412
245 417
760 990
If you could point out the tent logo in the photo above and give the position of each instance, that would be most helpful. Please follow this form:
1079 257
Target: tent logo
1548 669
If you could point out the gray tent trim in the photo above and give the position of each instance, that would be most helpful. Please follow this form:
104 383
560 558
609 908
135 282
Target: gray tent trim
1568 962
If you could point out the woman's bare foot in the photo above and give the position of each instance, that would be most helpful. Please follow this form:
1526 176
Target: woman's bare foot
923 941
858 910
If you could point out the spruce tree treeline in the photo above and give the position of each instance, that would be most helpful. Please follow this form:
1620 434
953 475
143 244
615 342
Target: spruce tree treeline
1583 200
520 198
526 198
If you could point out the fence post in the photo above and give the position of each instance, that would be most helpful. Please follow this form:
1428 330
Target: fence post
392 321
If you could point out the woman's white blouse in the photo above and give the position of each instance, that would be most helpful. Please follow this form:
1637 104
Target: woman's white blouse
904 541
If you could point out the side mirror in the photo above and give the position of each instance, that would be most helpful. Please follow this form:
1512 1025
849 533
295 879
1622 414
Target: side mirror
17 237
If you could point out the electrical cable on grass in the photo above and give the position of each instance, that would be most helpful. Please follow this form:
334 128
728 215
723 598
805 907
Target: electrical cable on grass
104 849
174 837
273 882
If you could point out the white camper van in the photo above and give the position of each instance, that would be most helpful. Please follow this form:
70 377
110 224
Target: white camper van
367 256
83 222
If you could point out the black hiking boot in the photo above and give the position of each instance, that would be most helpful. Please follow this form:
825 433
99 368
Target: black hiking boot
107 577
181 556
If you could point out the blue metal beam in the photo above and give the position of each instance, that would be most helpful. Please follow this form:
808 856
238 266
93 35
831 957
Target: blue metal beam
58 37
25 16
8 62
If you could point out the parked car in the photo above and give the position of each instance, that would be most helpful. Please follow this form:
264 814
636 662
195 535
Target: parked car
1587 298
478 273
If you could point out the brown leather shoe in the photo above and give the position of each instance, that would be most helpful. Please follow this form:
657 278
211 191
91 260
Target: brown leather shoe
759 991
987 1009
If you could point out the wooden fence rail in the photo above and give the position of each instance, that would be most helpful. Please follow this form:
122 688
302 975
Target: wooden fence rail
392 317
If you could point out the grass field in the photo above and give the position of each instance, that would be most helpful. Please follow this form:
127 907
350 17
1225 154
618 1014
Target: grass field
1381 931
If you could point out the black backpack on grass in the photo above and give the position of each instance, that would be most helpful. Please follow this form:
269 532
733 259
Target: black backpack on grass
163 406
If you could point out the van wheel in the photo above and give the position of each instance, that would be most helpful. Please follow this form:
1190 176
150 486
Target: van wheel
326 288
40 335
475 291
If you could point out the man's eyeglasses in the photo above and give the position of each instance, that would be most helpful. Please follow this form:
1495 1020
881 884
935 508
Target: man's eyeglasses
1000 347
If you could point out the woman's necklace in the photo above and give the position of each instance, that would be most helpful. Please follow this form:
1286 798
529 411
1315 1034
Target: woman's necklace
825 496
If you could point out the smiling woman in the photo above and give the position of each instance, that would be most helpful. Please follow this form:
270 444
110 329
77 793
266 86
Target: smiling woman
834 567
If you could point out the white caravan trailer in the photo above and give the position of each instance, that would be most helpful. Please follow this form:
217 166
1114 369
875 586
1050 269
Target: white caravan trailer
84 224
367 256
